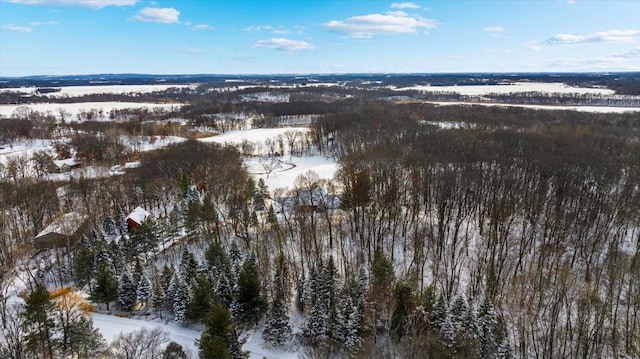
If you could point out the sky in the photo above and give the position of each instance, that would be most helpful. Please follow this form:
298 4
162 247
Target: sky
73 37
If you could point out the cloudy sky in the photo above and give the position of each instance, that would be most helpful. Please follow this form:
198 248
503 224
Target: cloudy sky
60 37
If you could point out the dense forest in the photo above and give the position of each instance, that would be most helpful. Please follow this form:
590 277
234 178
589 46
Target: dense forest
447 231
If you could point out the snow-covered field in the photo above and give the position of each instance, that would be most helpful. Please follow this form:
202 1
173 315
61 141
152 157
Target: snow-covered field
256 135
77 107
517 87
74 91
291 168
592 109
110 326
286 168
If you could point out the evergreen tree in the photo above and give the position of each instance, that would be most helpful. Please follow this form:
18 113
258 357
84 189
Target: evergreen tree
169 293
218 339
126 298
504 350
201 299
327 294
458 310
39 325
235 257
217 261
402 293
174 351
448 332
188 267
260 195
143 292
277 329
438 314
224 291
316 324
157 298
235 347
105 289
83 265
180 301
138 272
250 302
487 327
86 341
470 328
348 324
166 276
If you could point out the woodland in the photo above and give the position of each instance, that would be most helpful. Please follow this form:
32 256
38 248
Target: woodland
447 231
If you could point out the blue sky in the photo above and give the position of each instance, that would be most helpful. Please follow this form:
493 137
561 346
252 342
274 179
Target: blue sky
62 37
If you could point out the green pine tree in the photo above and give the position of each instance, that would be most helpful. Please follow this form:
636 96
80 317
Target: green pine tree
218 340
39 325
251 304
105 288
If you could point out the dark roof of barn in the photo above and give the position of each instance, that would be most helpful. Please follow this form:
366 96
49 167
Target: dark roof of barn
66 224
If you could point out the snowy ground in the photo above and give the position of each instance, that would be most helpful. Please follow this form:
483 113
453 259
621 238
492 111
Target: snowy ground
25 149
291 167
593 109
75 108
256 135
75 91
285 168
110 326
517 87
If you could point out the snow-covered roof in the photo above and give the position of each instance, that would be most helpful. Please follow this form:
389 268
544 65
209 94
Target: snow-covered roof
66 224
67 161
138 215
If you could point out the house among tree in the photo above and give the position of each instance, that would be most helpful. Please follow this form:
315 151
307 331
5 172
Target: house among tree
65 165
137 217
63 231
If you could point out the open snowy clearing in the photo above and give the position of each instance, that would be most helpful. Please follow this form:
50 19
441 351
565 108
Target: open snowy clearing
517 87
75 91
256 135
77 107
292 167
592 109
277 172
110 326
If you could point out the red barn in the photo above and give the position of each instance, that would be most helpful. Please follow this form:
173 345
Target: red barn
135 218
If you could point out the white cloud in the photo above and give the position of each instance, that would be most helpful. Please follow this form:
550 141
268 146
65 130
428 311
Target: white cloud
397 13
628 36
27 28
201 27
493 29
283 44
571 2
612 62
631 54
23 29
167 15
367 26
603 36
94 4
258 28
405 5
274 30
